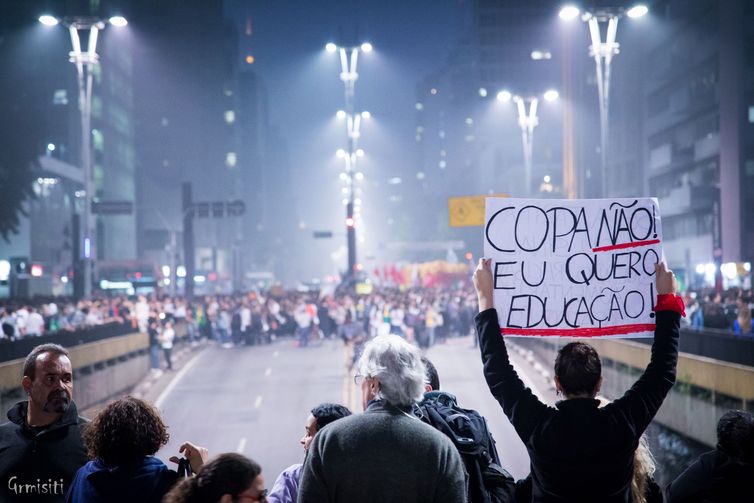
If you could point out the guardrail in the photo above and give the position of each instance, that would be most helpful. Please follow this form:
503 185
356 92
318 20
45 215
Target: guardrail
11 350
721 345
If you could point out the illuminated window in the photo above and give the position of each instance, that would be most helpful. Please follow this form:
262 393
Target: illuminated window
230 116
231 159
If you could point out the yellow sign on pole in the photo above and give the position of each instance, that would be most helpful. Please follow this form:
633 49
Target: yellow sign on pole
468 211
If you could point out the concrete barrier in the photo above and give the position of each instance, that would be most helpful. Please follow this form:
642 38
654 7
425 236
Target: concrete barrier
101 370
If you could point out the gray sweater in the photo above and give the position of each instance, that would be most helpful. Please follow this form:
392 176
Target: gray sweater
382 456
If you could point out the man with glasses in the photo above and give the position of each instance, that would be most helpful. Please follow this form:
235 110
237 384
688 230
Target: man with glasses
385 454
41 447
285 489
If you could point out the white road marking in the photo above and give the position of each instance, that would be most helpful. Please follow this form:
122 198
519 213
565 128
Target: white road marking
241 445
169 388
258 401
268 371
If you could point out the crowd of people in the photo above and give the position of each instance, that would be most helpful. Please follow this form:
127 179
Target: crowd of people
426 314
412 443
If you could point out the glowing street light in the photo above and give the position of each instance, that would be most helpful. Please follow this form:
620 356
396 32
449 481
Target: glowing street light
341 114
527 121
349 57
48 20
603 54
569 12
504 96
118 21
551 95
637 11
85 61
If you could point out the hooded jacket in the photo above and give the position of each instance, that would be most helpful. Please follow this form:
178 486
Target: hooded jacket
146 482
39 464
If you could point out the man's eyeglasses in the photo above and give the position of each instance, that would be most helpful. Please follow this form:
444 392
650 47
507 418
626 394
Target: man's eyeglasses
261 497
358 379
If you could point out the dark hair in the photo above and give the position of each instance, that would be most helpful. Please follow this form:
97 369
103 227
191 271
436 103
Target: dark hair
578 368
735 435
30 364
431 374
326 413
228 473
125 432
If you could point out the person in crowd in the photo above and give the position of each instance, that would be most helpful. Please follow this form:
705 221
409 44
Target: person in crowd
41 447
228 478
743 324
122 441
167 336
385 454
724 474
579 451
285 489
35 323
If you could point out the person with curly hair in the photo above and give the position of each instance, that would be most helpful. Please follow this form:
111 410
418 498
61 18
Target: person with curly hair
122 441
227 478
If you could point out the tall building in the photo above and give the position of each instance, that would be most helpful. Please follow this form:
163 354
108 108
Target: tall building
700 133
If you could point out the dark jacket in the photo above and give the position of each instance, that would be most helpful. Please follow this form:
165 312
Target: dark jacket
145 482
580 452
713 478
382 455
39 466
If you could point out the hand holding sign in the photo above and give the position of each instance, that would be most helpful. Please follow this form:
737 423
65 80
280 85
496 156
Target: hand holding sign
483 284
666 282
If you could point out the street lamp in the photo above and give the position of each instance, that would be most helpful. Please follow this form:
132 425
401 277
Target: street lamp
85 62
349 57
527 121
603 53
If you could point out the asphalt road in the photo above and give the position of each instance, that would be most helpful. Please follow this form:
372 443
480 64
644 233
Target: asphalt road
255 400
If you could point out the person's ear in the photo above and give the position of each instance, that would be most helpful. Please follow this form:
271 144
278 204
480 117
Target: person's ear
26 384
598 387
427 388
558 387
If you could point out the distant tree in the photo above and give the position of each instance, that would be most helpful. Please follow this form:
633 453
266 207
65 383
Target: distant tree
17 174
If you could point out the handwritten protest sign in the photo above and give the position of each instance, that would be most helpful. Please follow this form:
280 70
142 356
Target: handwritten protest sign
574 268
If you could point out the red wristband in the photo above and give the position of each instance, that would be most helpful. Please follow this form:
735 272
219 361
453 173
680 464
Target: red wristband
670 302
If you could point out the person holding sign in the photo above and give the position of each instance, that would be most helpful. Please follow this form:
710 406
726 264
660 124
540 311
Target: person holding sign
580 452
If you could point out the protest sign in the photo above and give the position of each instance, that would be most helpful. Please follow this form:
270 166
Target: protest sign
574 268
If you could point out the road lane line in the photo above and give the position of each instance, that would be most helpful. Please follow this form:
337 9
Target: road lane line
172 384
258 402
241 445
267 371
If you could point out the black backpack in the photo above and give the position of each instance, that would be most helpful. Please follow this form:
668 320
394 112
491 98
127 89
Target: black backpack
488 482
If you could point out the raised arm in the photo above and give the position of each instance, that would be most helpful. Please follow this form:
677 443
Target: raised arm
643 400
520 405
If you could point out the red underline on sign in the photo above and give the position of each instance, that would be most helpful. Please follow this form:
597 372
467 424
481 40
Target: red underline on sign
626 245
581 332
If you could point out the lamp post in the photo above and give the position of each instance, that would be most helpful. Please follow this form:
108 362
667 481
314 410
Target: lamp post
527 121
85 62
349 57
603 54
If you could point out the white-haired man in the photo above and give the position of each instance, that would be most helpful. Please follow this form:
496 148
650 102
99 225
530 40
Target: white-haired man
385 454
